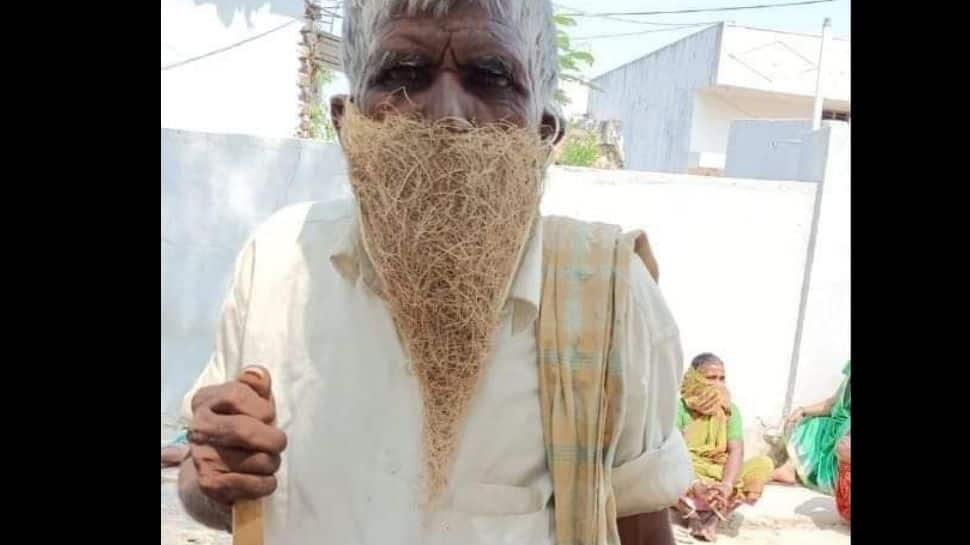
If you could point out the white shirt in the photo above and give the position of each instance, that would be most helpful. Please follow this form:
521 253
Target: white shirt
301 305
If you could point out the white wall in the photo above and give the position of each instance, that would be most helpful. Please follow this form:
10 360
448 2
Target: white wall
711 123
767 150
653 98
249 89
826 338
716 108
731 254
783 62
215 190
578 96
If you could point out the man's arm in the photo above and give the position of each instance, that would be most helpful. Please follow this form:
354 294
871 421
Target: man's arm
646 529
224 365
652 467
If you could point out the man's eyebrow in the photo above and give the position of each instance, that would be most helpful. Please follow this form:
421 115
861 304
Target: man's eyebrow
390 59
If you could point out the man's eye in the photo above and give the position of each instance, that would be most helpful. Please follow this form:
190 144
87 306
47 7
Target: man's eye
403 75
488 78
498 81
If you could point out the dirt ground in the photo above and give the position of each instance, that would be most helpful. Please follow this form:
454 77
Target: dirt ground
784 516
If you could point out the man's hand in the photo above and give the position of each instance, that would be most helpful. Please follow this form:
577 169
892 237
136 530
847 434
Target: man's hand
235 448
646 529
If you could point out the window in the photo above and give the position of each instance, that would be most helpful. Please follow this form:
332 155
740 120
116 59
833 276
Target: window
834 115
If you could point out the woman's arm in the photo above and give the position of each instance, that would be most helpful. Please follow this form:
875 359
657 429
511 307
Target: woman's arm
822 408
732 468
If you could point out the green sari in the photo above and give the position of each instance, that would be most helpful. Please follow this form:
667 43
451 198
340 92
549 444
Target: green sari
812 443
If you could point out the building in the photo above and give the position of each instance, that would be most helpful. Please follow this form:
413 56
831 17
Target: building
677 104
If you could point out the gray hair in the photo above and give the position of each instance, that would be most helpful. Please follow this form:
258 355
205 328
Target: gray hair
701 359
362 19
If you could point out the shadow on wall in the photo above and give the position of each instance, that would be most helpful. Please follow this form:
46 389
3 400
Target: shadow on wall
215 190
228 9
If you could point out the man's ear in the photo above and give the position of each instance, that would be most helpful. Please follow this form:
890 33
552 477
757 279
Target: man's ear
337 103
553 127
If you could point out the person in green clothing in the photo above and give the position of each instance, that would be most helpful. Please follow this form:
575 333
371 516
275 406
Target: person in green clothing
818 438
714 433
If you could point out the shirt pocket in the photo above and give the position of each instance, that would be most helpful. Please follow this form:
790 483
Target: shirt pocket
505 514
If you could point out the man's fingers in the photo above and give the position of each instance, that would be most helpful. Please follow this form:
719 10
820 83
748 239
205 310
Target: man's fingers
239 398
228 488
253 463
230 460
236 431
257 378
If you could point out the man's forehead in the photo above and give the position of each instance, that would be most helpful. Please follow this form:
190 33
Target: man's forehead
470 29
460 16
442 7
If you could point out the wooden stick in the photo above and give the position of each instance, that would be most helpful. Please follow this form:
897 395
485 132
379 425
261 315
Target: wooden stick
247 522
247 515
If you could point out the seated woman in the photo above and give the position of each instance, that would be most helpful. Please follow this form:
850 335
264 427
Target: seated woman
712 429
818 439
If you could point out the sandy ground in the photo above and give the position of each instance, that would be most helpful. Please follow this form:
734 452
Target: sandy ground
784 516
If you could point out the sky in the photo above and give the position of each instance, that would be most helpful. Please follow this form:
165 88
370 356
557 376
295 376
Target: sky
604 38
616 50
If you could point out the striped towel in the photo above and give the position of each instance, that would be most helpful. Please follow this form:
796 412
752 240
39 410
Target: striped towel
580 374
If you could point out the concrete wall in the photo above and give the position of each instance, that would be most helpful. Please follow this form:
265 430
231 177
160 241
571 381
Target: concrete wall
578 96
826 337
248 89
215 190
731 252
768 150
731 256
717 108
782 62
653 99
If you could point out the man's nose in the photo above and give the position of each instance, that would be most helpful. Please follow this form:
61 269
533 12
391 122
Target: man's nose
447 99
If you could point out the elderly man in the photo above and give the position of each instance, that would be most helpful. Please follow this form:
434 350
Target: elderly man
432 363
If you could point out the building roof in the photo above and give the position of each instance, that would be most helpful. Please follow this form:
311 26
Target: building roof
765 60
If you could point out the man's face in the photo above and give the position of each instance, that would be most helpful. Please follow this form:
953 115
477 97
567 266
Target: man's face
464 65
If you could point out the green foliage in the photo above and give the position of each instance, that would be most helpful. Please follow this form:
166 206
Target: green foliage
571 61
320 125
579 149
